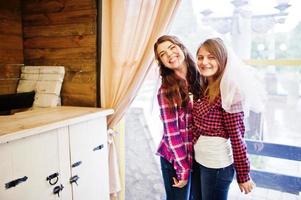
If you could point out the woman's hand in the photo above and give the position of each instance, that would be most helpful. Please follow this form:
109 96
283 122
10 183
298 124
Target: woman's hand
179 184
246 187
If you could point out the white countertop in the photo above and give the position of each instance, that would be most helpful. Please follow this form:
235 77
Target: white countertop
27 123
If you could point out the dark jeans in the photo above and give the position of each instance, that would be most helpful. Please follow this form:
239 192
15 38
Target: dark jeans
215 182
195 186
173 193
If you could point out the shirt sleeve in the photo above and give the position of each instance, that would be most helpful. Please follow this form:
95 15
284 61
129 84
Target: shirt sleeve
193 129
172 135
234 126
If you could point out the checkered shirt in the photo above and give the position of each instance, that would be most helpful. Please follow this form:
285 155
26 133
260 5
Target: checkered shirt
213 120
176 144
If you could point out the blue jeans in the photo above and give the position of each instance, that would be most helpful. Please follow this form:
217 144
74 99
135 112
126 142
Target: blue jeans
174 193
215 182
195 186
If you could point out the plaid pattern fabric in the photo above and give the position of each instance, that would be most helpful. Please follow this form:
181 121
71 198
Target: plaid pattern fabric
176 144
213 120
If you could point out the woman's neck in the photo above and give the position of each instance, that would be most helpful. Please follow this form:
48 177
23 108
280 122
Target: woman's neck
181 72
210 80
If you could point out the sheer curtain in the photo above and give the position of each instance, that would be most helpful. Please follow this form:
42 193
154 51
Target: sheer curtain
129 30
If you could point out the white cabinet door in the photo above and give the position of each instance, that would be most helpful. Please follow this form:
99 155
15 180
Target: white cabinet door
31 160
88 146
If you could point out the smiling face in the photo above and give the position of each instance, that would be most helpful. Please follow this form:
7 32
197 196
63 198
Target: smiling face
207 63
212 59
171 55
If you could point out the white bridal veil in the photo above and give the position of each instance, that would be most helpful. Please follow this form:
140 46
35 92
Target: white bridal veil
241 88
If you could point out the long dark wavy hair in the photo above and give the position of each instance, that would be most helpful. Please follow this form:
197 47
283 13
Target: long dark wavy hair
177 90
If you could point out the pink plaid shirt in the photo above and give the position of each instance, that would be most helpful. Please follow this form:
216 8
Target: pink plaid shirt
176 144
213 120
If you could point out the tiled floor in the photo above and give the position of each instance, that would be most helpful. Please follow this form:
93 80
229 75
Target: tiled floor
142 174
260 194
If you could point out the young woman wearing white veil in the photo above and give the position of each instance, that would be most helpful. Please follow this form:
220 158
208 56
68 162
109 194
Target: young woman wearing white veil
230 92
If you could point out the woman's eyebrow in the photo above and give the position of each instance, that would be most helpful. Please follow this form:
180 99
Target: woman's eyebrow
169 47
161 52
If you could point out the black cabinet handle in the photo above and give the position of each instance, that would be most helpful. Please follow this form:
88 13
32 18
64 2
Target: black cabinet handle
74 179
76 164
54 177
57 189
98 147
15 182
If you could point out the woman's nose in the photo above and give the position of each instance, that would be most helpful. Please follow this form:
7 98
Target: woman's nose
168 52
205 61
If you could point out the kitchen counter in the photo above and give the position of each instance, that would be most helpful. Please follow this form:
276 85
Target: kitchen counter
26 123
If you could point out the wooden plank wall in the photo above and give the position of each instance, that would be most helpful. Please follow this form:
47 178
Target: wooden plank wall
63 32
11 45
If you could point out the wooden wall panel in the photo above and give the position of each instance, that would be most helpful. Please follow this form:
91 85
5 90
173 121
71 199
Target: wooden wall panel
60 42
10 28
79 16
73 99
10 71
11 56
49 53
64 33
8 86
59 30
9 78
11 45
53 6
71 64
10 41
